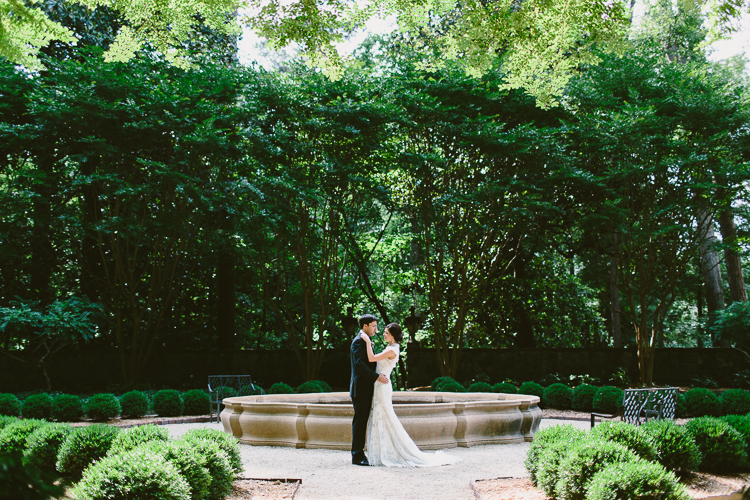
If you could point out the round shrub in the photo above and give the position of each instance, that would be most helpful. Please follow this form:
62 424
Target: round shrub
633 438
480 387
323 385
131 438
5 420
43 444
67 408
735 402
280 388
216 461
720 445
226 392
533 389
168 403
583 398
102 407
140 474
37 406
134 404
740 423
681 410
196 402
505 388
701 402
451 386
675 446
557 396
309 387
255 389
434 386
640 480
583 462
544 439
190 465
549 463
10 405
23 482
83 446
608 399
226 442
13 436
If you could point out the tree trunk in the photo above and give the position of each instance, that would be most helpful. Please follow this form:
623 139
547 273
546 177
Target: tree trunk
737 292
710 268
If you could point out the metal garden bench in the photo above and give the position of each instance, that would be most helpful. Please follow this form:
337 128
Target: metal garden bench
638 405
227 386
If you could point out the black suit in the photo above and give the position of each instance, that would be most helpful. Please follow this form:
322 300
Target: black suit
361 387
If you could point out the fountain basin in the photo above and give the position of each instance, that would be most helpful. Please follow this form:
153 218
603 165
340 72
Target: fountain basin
434 420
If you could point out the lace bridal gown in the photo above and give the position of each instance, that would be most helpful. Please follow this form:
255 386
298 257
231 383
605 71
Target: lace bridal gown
387 441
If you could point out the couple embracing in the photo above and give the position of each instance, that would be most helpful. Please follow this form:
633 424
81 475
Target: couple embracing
374 419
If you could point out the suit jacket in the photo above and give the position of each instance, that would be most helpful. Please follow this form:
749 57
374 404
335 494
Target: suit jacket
363 379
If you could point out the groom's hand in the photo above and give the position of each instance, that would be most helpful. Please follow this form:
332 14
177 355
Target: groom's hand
382 379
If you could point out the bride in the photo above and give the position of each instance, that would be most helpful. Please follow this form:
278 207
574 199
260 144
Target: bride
387 442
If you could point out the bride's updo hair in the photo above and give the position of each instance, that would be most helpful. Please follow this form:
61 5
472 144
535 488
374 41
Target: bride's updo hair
395 330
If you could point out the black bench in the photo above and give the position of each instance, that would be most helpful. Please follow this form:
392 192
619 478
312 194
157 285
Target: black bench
638 405
226 386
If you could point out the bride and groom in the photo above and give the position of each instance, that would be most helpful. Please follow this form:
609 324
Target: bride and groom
374 419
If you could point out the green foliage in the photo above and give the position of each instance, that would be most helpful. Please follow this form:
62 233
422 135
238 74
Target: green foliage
13 436
131 438
681 409
84 446
451 386
140 474
721 446
280 388
702 402
435 385
67 408
633 438
189 464
252 390
43 444
505 388
196 402
545 438
735 402
639 480
740 423
583 397
675 446
480 387
558 396
216 461
309 387
168 403
134 404
37 406
226 392
584 461
608 399
102 407
10 405
5 420
323 385
24 482
533 389
226 442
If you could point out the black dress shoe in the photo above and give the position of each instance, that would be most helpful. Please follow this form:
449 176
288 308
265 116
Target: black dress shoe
360 461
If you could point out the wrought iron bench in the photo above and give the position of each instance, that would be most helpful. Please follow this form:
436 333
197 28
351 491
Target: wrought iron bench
227 386
638 405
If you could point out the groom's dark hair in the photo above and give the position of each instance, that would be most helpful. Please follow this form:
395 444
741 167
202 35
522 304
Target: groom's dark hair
366 319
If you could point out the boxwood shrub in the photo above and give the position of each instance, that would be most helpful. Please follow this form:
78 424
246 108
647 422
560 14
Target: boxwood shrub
140 474
735 402
280 388
24 482
583 398
255 389
533 389
191 465
43 444
226 442
10 405
550 462
323 385
102 407
639 480
196 402
435 385
5 420
37 406
721 446
67 408
676 446
608 399
740 423
216 461
133 437
83 446
630 436
134 404
681 410
309 387
451 386
13 436
702 402
480 387
544 439
557 396
168 403
505 388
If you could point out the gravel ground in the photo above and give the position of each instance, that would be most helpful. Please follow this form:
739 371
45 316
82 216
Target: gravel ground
329 474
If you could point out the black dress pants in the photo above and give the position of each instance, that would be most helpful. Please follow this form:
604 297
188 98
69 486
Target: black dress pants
362 406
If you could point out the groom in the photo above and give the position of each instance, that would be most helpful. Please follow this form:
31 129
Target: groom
361 386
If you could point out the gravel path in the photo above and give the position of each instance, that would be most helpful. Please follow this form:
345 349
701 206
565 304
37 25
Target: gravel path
328 474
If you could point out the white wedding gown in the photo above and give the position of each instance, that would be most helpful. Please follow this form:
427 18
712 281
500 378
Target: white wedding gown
387 441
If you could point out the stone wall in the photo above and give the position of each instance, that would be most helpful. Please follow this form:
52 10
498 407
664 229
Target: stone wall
97 370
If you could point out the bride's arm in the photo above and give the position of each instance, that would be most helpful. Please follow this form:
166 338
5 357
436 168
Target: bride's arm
371 356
